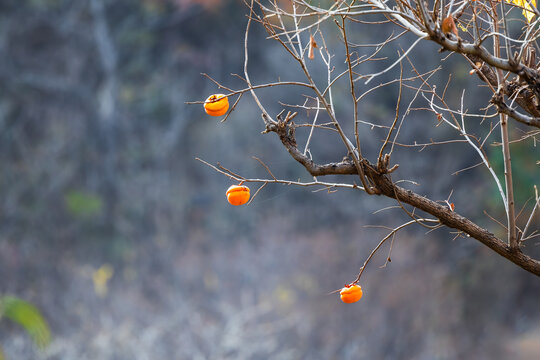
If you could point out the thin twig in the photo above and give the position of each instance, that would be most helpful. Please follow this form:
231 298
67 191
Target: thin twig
266 167
391 234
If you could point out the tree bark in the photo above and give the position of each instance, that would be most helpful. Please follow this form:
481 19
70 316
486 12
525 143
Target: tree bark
385 186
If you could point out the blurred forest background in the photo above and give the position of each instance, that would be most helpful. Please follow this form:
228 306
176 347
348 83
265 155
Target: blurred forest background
128 247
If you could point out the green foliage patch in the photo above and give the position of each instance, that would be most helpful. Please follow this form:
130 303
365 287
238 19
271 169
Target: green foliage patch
82 203
28 316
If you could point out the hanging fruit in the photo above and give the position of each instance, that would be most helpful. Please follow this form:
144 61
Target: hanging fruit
351 293
216 105
238 194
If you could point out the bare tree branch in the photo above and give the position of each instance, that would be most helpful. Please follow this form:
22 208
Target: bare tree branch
484 25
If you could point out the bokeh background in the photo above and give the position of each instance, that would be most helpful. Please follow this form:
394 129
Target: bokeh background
126 244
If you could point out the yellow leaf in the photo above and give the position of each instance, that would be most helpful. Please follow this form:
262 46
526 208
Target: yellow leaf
527 9
528 14
101 277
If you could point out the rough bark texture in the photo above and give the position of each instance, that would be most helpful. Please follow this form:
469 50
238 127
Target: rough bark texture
385 186
524 89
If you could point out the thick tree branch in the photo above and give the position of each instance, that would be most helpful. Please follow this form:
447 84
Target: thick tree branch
386 187
522 118
531 76
522 95
456 44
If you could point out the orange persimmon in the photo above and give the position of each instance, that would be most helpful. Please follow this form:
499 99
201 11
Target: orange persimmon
216 105
238 194
351 293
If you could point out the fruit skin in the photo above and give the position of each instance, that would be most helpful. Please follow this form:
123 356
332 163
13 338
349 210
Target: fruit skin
216 105
237 194
351 293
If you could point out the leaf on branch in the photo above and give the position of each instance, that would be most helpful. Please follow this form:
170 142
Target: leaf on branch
449 26
312 45
527 9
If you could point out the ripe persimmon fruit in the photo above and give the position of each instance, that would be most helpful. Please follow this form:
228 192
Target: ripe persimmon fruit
238 194
216 105
351 293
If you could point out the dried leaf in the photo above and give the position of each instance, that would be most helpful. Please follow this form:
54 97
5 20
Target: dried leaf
311 54
312 41
312 45
449 26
